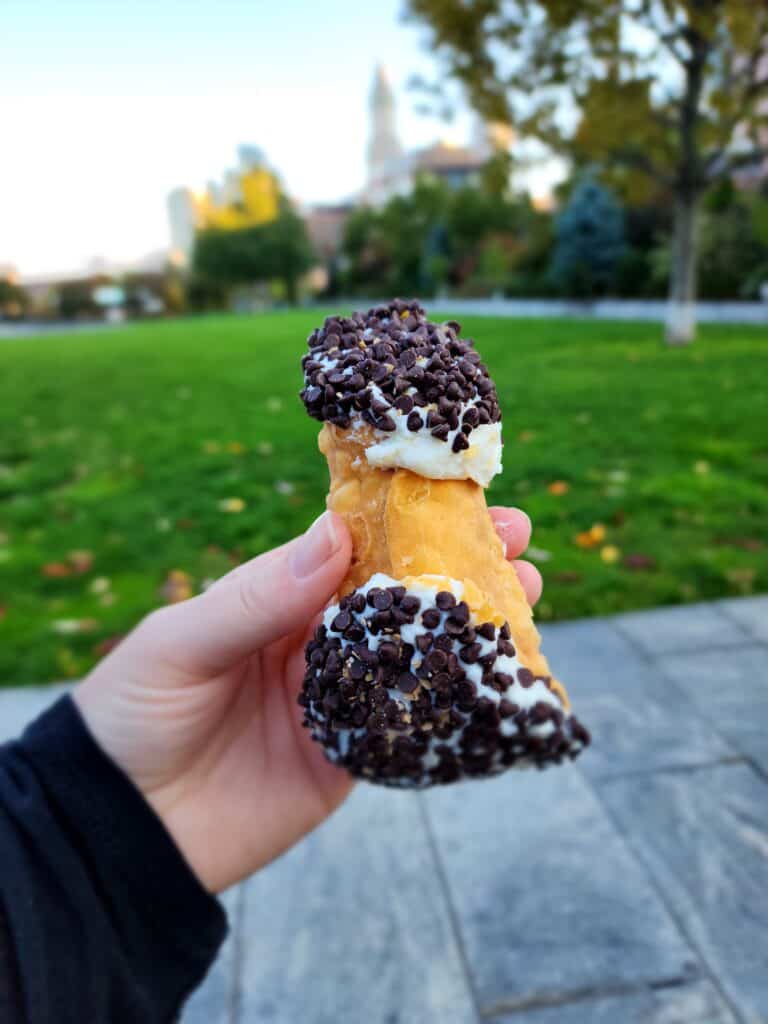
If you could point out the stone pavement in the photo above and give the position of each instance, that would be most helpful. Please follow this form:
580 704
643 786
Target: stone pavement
631 887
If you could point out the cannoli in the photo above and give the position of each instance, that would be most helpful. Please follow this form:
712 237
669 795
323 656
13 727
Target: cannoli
427 669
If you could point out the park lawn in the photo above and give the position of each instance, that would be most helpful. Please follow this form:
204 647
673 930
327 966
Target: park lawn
182 447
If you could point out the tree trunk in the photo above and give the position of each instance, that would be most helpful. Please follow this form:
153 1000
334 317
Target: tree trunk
681 311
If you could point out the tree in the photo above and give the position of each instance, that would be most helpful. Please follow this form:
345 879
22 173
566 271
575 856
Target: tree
590 241
276 250
674 90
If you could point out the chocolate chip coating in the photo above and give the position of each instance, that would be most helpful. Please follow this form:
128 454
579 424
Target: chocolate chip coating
431 698
393 360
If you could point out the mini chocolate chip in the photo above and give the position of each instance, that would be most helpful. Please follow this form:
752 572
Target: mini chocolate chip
470 653
453 626
460 443
487 630
436 660
386 423
503 680
371 599
388 653
431 618
383 600
404 404
424 642
410 604
357 603
341 622
441 432
461 613
407 682
398 593
357 670
505 647
525 676
445 600
414 421
507 708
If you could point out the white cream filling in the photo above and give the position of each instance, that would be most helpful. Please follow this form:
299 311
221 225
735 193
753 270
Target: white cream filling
425 455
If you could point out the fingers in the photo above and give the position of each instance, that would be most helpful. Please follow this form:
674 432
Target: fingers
530 578
258 602
514 528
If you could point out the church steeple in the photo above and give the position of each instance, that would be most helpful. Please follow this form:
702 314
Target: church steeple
384 146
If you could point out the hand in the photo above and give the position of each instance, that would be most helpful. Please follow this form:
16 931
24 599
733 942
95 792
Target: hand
198 704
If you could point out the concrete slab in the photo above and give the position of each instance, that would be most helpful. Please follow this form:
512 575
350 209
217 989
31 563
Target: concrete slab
730 689
698 1003
352 925
703 836
690 627
751 613
547 895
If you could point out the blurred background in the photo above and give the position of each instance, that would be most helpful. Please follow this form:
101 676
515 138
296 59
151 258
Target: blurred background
186 190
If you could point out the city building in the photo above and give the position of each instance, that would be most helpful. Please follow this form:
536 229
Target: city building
393 171
247 196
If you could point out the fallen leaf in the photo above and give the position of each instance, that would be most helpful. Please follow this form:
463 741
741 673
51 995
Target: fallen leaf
610 554
232 505
56 570
558 487
177 587
81 561
592 537
639 562
235 447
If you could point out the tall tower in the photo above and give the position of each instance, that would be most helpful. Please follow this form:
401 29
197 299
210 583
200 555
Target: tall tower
384 149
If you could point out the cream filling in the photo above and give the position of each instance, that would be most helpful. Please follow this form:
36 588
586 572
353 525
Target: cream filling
425 455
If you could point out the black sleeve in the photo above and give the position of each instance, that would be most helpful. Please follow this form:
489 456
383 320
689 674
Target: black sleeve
101 918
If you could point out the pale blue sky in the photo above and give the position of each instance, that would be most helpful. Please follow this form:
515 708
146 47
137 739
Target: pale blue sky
108 105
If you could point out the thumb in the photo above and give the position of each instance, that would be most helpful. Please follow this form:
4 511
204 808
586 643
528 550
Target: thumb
260 601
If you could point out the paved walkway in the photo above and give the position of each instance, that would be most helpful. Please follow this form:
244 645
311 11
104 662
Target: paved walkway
631 888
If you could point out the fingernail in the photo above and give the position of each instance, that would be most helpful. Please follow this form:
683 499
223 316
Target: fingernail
315 547
514 513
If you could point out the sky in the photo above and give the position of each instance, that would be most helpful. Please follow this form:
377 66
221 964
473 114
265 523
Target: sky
107 105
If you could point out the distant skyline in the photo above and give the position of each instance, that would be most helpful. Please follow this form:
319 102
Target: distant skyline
107 106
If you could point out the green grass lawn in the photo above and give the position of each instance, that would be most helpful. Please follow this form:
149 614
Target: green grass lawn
125 455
